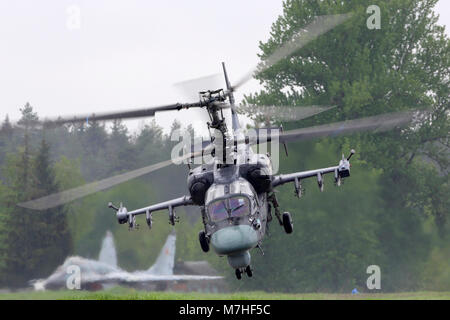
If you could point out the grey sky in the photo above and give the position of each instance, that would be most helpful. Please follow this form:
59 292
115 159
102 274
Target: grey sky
127 54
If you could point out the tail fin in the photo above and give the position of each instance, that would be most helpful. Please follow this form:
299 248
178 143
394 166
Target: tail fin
108 251
165 262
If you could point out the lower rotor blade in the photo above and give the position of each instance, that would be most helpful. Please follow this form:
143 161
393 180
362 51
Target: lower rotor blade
380 123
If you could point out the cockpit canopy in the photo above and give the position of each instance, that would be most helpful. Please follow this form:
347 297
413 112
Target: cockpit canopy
233 207
232 200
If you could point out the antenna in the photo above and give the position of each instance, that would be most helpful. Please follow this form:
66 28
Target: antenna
234 118
227 82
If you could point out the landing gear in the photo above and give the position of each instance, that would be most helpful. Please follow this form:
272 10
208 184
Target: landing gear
273 199
287 222
249 271
204 241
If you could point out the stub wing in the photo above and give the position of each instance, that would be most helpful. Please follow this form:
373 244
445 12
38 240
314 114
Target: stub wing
123 216
340 171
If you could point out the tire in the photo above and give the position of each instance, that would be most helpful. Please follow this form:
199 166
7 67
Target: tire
249 271
204 243
238 274
287 223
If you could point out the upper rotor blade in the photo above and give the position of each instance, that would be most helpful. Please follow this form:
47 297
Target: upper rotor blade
319 26
282 113
64 197
190 88
378 123
137 113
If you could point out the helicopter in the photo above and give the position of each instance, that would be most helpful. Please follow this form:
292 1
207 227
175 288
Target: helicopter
235 188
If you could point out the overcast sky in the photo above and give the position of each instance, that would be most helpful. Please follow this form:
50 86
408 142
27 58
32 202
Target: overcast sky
126 54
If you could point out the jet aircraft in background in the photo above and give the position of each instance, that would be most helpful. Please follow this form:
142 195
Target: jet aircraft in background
104 272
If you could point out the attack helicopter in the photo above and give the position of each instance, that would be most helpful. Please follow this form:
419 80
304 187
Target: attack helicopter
235 189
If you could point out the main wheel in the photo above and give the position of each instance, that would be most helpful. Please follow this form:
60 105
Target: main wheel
287 222
249 271
238 274
204 242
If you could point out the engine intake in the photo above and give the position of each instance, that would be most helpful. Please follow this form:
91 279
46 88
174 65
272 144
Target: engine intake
199 181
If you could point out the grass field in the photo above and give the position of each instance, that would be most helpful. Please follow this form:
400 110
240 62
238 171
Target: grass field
130 294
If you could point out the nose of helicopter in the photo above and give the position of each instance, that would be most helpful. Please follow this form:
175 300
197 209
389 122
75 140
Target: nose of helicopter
234 239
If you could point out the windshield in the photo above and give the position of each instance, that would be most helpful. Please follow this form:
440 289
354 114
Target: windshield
218 211
237 206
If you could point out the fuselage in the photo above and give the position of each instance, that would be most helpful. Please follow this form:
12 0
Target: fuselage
234 203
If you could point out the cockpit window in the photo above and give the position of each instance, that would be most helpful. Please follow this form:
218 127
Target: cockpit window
218 211
237 206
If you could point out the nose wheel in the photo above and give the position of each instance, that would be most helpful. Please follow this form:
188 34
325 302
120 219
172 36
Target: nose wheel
247 270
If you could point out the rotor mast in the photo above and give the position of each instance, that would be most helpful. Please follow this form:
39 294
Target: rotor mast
214 101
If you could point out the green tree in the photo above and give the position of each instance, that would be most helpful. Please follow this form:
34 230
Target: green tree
150 144
404 65
56 241
34 243
6 133
6 129
17 228
29 118
120 151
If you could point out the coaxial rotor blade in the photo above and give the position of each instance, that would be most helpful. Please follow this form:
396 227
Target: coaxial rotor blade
67 196
380 123
126 114
282 113
190 88
316 28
